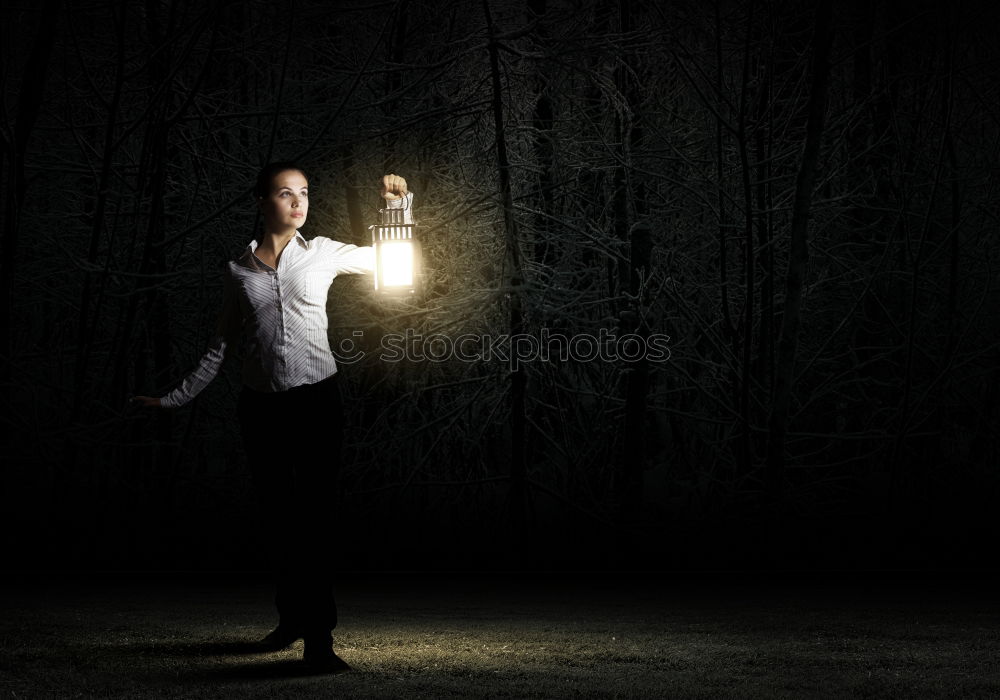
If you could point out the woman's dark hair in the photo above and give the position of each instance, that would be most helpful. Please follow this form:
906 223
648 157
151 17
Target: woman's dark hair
262 188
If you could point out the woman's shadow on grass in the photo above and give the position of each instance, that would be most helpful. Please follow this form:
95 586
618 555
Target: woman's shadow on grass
202 649
250 661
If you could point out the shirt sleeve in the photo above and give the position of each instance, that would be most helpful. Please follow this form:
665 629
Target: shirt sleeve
226 336
352 259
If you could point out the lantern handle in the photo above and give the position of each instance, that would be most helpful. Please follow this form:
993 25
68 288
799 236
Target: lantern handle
397 211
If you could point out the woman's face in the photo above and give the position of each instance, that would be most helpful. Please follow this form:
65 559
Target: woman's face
287 204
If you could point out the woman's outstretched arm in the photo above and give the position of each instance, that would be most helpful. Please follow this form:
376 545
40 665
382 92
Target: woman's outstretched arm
226 336
353 259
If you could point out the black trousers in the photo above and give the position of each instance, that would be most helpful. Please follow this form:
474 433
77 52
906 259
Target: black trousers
293 444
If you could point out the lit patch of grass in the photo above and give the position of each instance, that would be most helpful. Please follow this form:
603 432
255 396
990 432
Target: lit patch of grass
189 641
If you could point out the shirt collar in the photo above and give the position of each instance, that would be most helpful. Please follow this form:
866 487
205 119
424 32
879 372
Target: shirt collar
249 260
298 237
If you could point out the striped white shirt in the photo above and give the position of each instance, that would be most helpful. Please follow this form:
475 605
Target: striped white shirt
280 316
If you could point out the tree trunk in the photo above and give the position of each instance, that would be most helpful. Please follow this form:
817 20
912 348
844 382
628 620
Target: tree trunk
87 325
519 501
798 259
636 381
14 151
631 277
355 212
745 338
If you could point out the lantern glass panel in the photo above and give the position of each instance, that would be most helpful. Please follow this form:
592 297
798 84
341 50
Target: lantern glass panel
396 263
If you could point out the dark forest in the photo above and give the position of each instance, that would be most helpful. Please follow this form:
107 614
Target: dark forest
793 204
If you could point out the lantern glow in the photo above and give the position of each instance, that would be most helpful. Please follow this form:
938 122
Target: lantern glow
396 264
397 252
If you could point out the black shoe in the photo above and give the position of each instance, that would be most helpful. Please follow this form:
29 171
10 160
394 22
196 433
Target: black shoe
319 658
279 638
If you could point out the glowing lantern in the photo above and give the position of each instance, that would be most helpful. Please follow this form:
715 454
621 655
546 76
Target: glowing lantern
397 251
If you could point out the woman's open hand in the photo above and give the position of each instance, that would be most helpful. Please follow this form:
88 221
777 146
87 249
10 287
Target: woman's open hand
146 401
393 187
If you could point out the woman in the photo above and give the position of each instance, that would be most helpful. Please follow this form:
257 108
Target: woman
275 303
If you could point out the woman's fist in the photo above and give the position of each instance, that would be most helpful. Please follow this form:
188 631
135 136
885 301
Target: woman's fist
393 187
146 401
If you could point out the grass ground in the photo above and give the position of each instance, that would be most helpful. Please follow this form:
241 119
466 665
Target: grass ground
411 636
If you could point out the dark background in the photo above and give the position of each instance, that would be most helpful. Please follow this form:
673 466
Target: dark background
802 196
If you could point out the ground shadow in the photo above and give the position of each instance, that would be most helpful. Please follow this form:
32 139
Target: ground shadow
194 650
265 666
256 670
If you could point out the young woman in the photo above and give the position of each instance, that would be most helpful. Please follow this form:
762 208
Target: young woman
290 406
